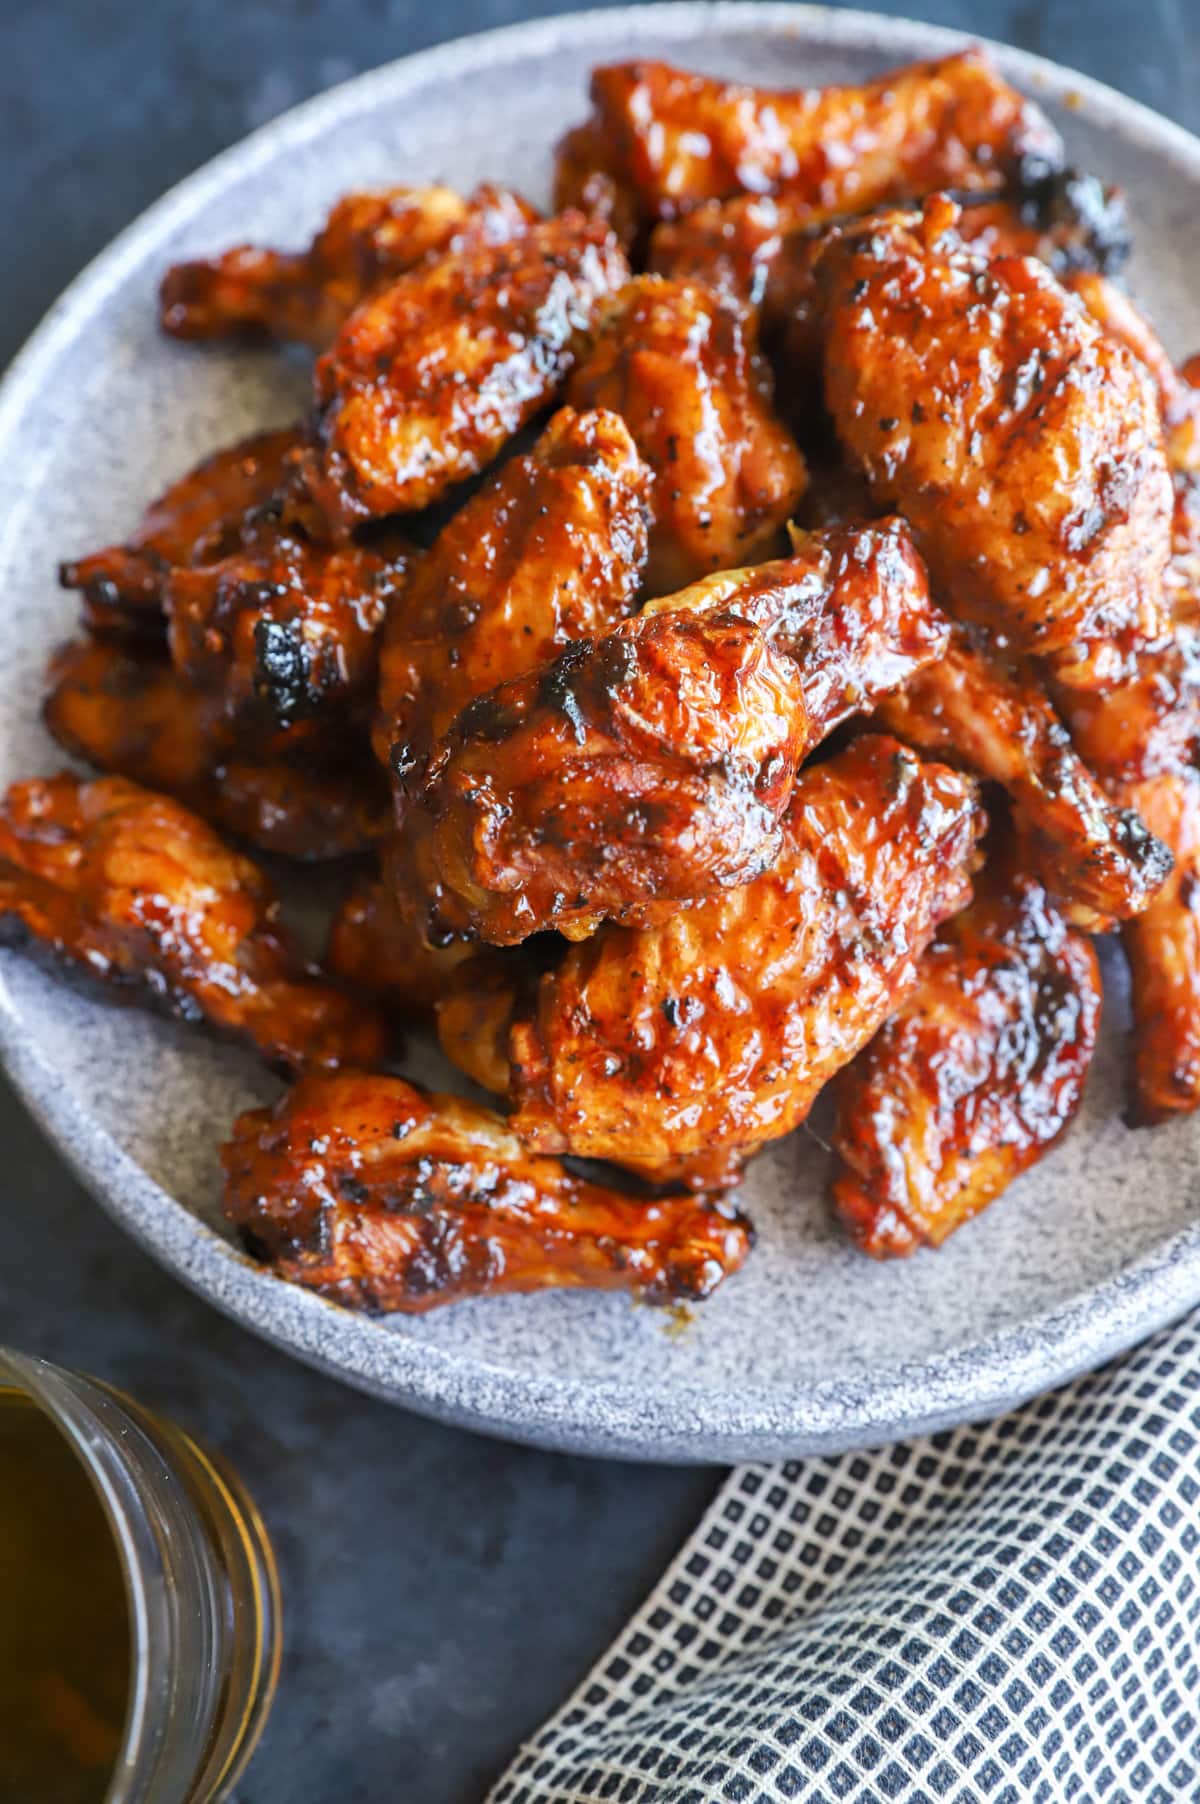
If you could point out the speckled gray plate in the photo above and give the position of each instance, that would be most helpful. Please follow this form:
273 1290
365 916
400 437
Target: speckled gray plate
812 1346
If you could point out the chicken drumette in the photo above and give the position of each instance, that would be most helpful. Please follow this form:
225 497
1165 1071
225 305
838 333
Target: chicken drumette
1023 444
681 367
427 380
368 241
385 1198
651 767
974 1076
713 1032
130 890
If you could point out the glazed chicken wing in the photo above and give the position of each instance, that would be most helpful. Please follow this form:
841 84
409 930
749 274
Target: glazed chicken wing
681 368
716 1029
303 296
1097 858
383 1197
202 517
131 890
1022 443
552 549
671 140
283 630
651 767
133 714
426 380
974 1077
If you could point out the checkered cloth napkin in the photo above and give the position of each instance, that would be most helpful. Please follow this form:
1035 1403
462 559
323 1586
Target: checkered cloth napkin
1003 1613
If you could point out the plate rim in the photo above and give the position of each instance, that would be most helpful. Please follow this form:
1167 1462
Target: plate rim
685 1424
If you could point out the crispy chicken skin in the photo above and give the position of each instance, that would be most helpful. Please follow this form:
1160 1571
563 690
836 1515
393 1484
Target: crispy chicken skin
1097 858
201 517
304 296
132 714
975 1075
383 1197
673 139
283 630
652 766
682 369
550 550
717 1028
1023 444
133 891
427 379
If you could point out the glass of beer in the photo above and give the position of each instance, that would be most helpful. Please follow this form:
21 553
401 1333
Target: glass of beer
139 1601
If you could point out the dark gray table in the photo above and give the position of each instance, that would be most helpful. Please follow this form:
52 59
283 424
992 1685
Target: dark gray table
443 1592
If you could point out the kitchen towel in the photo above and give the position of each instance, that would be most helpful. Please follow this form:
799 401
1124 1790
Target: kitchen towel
992 1615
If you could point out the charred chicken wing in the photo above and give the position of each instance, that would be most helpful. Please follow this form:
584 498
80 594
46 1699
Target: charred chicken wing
132 714
974 1077
427 379
671 140
717 1028
368 241
383 1197
201 517
681 368
651 767
1023 445
130 889
283 630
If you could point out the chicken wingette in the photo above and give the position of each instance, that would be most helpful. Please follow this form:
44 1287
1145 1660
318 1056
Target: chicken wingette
975 1075
131 891
383 1197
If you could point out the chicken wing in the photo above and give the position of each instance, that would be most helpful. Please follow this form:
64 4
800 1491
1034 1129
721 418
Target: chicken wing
283 630
651 767
672 140
552 549
1097 858
383 1197
979 1071
132 891
368 241
682 369
1023 444
1163 948
716 1029
200 518
426 380
134 715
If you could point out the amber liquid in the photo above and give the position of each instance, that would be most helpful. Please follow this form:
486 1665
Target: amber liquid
64 1623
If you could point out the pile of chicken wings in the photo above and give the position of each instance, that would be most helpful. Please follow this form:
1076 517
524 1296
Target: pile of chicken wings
742 631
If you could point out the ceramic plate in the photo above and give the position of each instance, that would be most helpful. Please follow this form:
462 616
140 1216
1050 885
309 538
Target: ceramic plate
812 1347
